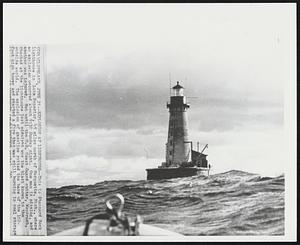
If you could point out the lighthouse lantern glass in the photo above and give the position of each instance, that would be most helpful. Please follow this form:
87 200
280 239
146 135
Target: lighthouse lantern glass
178 91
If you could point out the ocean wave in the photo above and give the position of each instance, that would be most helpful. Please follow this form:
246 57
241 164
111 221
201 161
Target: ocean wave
230 203
65 197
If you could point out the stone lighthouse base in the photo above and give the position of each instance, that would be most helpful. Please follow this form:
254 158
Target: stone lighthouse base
169 173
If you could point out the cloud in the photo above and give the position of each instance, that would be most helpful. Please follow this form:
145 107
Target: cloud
102 101
259 152
96 102
226 118
64 143
235 64
88 161
84 170
106 103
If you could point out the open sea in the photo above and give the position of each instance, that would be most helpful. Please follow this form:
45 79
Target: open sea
231 203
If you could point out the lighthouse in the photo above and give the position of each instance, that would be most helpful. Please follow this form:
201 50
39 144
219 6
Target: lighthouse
181 159
177 148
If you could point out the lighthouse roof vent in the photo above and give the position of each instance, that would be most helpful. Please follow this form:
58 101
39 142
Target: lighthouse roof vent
177 86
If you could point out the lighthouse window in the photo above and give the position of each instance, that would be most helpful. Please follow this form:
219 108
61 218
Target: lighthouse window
171 153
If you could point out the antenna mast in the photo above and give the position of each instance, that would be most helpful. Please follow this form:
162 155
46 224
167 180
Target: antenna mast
170 83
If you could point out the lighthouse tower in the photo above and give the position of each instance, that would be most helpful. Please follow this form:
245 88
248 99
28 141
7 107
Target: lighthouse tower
181 159
177 148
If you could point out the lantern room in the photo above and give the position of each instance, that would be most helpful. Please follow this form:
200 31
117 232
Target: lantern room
178 90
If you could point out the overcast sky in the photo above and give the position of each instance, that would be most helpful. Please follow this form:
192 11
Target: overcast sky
106 101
